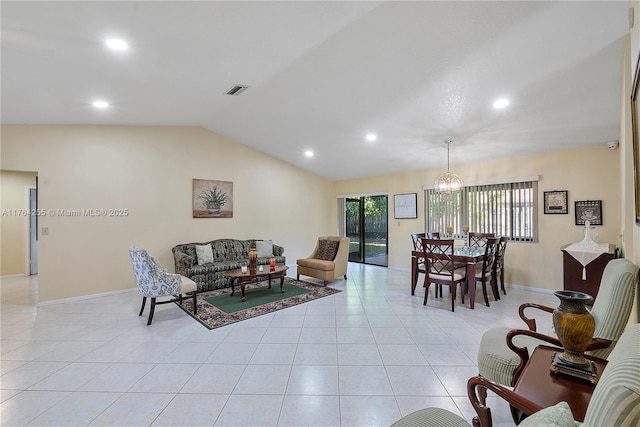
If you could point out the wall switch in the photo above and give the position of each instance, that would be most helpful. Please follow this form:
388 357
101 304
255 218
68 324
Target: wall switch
45 231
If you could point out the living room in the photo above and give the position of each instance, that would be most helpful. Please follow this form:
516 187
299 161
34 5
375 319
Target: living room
148 169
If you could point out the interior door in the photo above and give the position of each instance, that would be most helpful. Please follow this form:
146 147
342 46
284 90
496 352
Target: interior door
33 231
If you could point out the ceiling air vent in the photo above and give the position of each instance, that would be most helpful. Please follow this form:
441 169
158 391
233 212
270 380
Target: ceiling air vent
236 90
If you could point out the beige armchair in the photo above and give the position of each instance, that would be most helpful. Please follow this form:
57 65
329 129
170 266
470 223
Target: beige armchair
328 261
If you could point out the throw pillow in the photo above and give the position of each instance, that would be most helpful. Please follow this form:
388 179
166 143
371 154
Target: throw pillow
264 248
558 415
327 249
204 254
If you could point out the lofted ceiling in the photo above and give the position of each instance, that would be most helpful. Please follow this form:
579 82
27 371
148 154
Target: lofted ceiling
324 74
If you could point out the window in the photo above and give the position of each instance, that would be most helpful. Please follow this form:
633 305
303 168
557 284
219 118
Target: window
506 209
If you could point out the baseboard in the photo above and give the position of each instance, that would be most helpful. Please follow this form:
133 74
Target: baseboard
10 276
86 297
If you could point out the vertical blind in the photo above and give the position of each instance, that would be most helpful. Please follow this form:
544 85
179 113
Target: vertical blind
506 209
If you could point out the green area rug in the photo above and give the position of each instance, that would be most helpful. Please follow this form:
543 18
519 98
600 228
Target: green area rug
218 308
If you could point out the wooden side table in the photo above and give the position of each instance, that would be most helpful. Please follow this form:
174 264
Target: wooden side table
539 385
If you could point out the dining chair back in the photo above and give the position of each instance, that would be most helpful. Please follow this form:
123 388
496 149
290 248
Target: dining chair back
417 246
498 270
433 235
479 240
440 267
484 274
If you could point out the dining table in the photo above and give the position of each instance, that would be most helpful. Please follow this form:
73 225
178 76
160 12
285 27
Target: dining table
470 255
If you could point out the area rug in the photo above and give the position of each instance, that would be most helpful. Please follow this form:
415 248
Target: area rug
296 292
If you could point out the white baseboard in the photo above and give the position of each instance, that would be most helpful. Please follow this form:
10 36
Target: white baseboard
86 297
10 276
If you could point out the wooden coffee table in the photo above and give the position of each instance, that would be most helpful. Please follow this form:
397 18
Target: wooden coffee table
244 278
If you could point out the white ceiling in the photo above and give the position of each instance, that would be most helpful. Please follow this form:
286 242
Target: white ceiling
324 74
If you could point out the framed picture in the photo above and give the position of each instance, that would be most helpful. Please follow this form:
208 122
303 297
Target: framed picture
555 202
405 205
212 199
589 210
635 124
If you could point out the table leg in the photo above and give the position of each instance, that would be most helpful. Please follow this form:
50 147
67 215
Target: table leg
233 287
414 274
242 285
281 284
471 283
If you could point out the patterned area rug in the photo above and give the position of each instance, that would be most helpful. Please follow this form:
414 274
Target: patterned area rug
212 317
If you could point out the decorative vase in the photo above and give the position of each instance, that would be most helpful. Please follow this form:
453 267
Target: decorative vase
253 260
272 264
574 326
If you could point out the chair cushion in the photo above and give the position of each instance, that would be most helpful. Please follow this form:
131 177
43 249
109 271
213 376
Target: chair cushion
264 248
204 254
456 277
496 361
431 417
327 249
558 415
187 285
317 264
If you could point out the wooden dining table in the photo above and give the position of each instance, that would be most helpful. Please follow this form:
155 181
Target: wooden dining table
468 255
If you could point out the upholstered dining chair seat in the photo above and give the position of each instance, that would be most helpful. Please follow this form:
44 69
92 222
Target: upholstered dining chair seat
456 277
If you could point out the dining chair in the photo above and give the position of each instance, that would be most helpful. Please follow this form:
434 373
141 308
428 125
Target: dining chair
484 270
433 235
440 267
154 281
498 268
417 246
479 240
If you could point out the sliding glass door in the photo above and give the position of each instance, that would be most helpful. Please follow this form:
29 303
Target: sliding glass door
367 228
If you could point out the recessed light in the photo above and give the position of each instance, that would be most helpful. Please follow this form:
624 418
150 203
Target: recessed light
371 137
117 44
100 104
308 153
500 103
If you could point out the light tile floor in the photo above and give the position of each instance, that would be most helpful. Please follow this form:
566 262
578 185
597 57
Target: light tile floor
363 357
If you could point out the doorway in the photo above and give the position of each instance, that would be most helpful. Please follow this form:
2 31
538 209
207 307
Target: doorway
33 229
367 229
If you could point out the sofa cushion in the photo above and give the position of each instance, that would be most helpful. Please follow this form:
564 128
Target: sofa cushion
327 249
204 254
264 248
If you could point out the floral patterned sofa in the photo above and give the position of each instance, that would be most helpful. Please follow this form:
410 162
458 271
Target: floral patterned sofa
227 254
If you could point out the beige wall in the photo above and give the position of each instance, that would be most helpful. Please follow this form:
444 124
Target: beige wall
149 171
13 224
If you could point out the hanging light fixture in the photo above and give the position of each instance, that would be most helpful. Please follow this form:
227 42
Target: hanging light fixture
449 182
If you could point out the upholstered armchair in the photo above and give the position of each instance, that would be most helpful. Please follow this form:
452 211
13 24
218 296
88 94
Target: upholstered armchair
328 261
154 281
497 357
615 400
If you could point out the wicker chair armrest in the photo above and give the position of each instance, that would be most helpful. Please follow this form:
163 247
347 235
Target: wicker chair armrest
531 323
478 385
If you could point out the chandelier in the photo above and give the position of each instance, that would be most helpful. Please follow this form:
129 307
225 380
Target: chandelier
449 182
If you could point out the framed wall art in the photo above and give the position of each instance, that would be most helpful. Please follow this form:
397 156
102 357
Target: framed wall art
405 205
589 210
555 202
635 124
212 199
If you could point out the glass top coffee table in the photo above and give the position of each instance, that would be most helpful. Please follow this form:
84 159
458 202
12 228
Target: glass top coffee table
279 271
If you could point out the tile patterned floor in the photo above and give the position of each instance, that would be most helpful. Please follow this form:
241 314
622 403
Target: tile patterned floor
362 357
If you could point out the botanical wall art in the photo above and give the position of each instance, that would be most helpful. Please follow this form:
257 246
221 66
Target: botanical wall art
212 199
